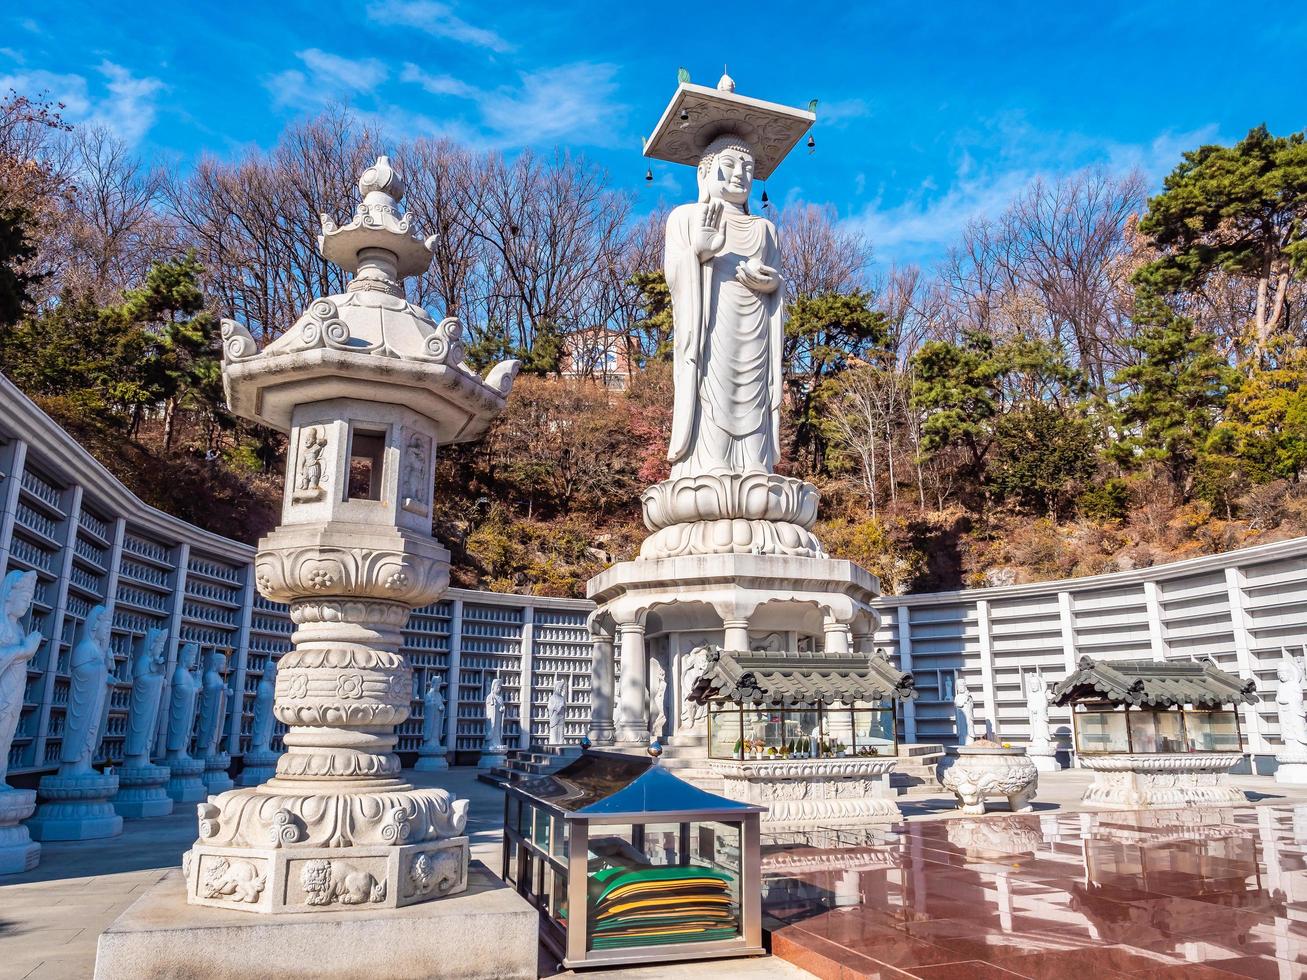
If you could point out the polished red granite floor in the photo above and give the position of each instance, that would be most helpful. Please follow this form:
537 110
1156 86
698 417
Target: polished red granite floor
1201 893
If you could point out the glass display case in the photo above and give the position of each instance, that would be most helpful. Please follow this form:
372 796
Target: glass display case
629 864
1103 728
820 731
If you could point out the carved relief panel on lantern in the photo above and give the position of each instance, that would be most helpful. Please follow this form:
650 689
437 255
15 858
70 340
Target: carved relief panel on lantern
362 462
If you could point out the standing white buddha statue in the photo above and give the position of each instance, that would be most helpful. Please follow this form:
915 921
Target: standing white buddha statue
141 783
18 852
432 754
1291 712
556 711
494 752
260 759
727 304
74 801
185 784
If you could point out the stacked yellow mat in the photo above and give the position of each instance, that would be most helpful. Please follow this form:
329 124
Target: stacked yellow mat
638 906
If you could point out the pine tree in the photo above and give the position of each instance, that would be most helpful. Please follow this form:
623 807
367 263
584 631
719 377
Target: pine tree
1239 210
176 338
1176 392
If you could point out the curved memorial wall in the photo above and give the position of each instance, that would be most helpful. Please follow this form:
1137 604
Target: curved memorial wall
1241 608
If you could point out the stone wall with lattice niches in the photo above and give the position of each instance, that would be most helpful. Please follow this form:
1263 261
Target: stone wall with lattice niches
1241 609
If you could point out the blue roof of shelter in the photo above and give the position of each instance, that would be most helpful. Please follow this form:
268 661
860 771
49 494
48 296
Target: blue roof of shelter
656 790
601 784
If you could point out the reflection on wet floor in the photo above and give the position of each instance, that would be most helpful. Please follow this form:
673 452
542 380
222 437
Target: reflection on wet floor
1176 893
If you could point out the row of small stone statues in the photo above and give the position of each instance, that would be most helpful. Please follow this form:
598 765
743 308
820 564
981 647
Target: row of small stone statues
79 803
432 753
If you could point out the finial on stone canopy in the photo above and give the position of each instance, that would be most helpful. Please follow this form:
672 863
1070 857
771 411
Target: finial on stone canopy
377 244
726 83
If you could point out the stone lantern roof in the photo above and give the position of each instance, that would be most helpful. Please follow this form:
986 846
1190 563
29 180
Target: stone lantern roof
369 341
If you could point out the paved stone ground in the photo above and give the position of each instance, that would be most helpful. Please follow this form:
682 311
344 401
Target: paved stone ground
50 918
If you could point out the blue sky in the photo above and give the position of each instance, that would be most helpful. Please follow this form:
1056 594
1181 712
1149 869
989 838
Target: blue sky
930 113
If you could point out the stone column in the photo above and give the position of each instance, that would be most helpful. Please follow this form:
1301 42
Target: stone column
602 731
735 635
837 636
633 726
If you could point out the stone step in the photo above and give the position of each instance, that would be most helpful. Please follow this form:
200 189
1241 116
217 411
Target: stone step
920 748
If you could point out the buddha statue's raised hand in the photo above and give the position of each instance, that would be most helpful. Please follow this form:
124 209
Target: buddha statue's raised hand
710 236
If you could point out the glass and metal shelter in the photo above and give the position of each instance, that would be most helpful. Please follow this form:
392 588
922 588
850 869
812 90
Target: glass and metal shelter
774 705
1154 707
629 864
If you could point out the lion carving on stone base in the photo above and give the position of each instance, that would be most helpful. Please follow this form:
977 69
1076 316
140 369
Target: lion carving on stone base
239 881
326 881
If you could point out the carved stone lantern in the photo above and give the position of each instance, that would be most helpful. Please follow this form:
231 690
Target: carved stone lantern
367 386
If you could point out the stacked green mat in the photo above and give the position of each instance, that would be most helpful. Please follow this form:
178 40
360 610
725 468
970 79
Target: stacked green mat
647 906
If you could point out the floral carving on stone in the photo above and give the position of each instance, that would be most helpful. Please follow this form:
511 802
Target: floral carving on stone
284 574
349 686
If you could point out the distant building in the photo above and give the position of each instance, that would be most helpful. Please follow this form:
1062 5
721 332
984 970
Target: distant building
601 355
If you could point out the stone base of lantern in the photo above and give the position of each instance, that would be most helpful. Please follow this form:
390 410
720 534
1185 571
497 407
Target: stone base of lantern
305 879
216 777
812 792
432 760
142 791
1181 780
18 852
487 931
186 780
259 768
277 848
75 808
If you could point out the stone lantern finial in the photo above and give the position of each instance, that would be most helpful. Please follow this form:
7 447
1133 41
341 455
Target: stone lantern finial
381 178
377 244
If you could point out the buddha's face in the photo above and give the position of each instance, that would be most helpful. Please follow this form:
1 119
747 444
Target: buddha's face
20 596
101 630
730 176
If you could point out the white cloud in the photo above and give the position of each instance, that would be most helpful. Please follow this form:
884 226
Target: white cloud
924 225
127 108
326 78
71 90
437 84
994 169
570 102
436 19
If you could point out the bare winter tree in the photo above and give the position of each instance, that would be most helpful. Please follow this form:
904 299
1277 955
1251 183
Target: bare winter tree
255 222
817 255
547 231
113 229
440 177
1068 246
